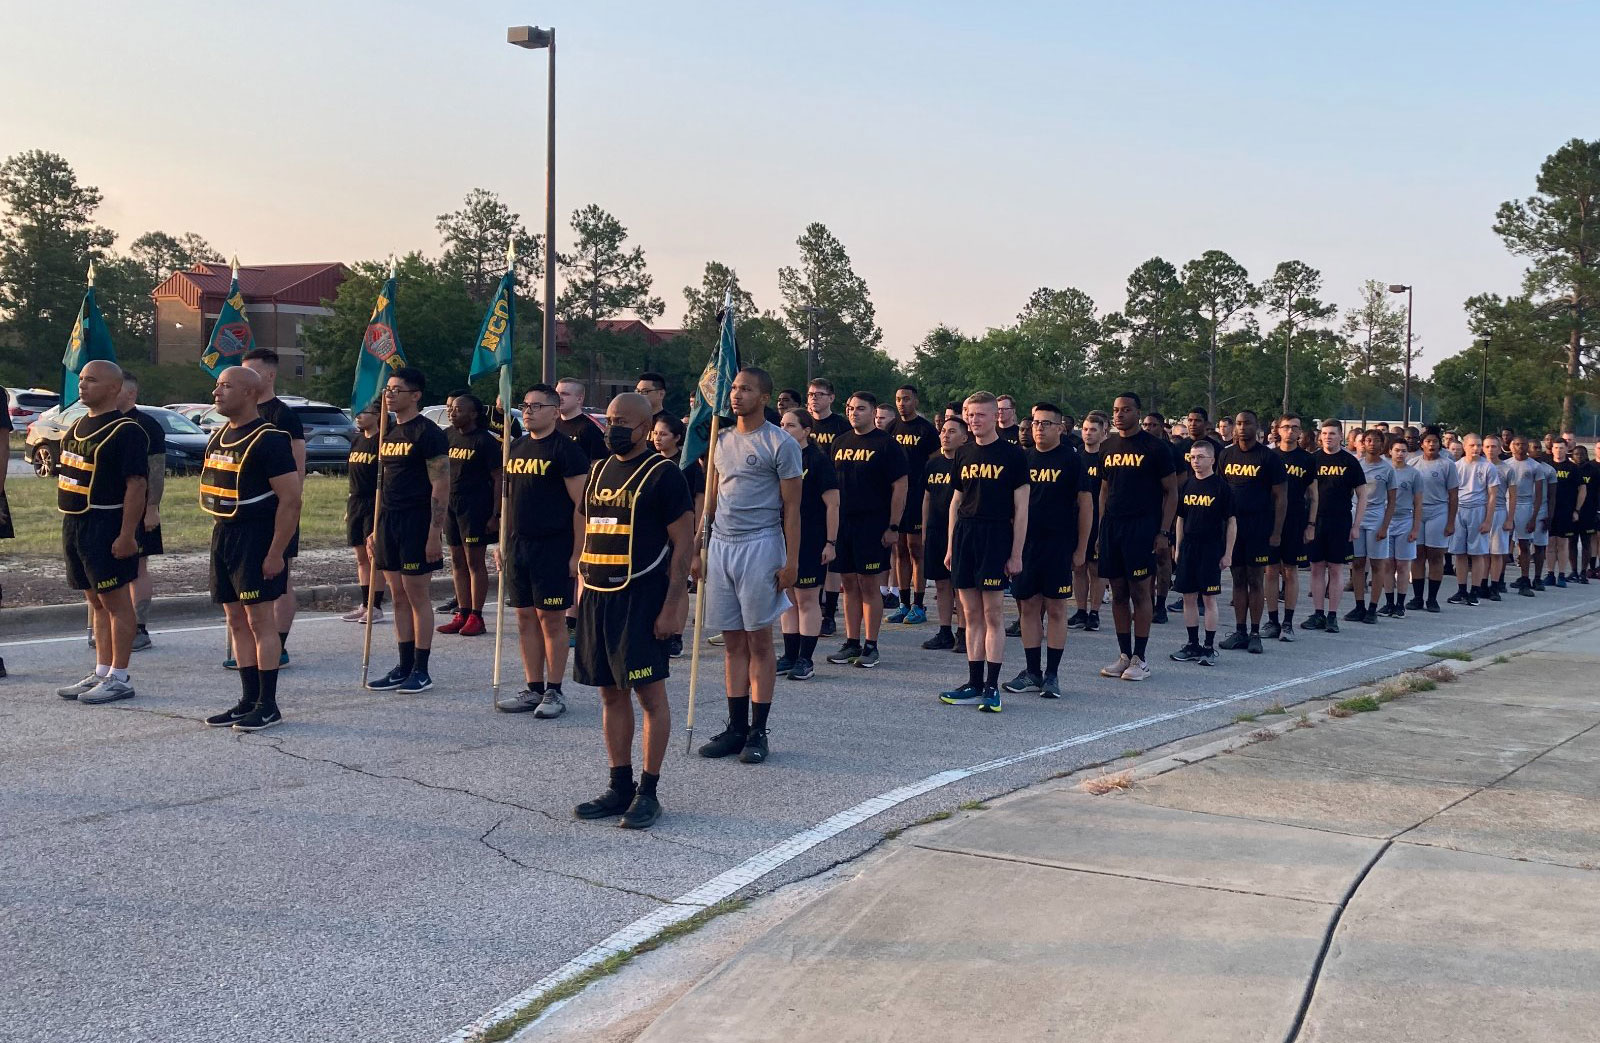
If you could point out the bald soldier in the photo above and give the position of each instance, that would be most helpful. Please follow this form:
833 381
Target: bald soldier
102 486
634 567
251 485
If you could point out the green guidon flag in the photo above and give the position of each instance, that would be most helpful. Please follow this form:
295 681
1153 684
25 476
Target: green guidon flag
380 353
90 341
231 337
711 391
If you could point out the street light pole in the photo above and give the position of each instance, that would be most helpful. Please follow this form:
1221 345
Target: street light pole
1405 394
534 38
1483 386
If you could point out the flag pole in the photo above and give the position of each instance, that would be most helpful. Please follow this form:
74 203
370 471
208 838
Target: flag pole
377 513
505 499
700 587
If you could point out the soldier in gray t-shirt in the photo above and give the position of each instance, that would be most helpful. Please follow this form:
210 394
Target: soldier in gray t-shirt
1372 537
1405 525
1440 484
1479 491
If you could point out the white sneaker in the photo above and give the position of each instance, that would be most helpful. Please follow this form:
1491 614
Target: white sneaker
377 614
1138 670
1116 669
356 615
715 639
72 691
109 690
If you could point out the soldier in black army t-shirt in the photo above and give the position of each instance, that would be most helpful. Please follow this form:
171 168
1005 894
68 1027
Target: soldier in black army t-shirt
1255 476
150 524
827 427
101 491
250 486
1299 513
473 520
871 468
916 435
1206 533
638 537
989 511
1060 512
940 477
359 505
275 411
544 535
415 476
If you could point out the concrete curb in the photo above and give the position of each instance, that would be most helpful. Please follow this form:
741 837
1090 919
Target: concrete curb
327 596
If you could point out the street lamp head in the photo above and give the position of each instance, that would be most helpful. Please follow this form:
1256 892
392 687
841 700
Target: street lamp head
1397 288
530 36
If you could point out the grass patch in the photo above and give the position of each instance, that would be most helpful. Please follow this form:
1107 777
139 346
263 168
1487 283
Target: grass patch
1340 711
1462 657
1100 785
184 526
1304 721
937 816
1443 673
1244 718
974 805
1501 660
1262 735
1275 708
1356 704
508 1027
1132 753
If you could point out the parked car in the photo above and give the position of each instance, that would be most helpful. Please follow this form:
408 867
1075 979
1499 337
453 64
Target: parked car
186 442
329 432
28 404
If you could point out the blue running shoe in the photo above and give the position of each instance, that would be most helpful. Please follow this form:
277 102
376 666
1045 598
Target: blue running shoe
990 702
918 614
966 695
898 615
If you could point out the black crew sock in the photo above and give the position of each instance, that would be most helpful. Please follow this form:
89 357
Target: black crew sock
647 784
1372 606
944 630
808 645
975 673
1255 629
1194 634
961 633
791 646
1416 588
422 659
991 675
1461 587
283 641
1272 616
1211 639
830 602
739 713
869 646
758 716
408 656
1052 660
1388 599
1238 628
1288 617
1433 589
1139 645
1031 656
250 684
572 624
269 690
536 687
1125 642
366 592
622 779
916 599
377 599
905 595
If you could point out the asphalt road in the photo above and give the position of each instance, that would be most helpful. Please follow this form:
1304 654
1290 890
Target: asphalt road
391 868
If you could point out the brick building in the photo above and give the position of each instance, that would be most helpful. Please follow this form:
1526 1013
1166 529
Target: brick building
603 380
280 300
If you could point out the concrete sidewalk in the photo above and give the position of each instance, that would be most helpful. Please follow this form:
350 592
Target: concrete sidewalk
1425 872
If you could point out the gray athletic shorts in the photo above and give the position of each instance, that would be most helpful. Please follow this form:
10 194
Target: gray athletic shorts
1524 515
1433 519
1401 545
1369 546
1467 538
1541 530
740 589
1499 538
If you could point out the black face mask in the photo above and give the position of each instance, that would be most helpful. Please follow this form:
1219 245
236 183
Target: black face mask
619 439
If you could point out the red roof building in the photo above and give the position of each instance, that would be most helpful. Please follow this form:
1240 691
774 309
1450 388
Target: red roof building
280 300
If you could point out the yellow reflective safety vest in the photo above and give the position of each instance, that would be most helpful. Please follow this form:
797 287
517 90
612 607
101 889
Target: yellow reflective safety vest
80 488
606 563
225 458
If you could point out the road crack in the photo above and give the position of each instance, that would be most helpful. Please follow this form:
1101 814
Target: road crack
503 853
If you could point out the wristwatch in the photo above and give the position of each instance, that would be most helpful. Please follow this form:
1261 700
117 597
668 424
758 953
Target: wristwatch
830 542
1167 533
894 528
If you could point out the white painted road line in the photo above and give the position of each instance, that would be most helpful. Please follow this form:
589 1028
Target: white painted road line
156 633
755 867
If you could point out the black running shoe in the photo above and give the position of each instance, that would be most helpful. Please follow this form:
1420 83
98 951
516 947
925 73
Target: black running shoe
1538 585
1493 593
940 642
1254 647
1159 613
642 813
1208 657
1330 624
1014 628
259 720
1234 641
1472 599
867 659
1399 611
675 646
829 627
847 653
1077 620
1094 621
229 717
1386 610
448 606
785 664
1187 654
960 647
1356 614
1370 616
1415 603
419 681
755 747
802 670
1458 598
612 802
725 743
1525 591
389 681
1023 682
1432 605
1315 621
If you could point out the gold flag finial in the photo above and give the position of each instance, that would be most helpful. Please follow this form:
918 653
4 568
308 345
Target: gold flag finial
91 271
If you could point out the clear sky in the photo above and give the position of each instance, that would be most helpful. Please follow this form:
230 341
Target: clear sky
964 153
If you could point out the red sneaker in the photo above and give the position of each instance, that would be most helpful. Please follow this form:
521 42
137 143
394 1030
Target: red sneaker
473 626
457 621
